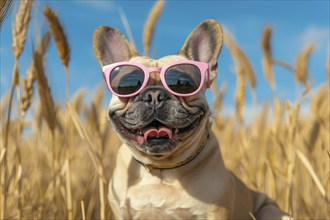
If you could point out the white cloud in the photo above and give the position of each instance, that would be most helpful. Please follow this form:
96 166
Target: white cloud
98 5
317 35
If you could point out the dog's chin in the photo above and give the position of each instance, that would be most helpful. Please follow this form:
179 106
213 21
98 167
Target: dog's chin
156 139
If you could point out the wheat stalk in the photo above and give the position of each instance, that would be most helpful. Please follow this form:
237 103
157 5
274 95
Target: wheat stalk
2 155
240 92
63 50
68 188
267 59
328 69
149 26
320 105
302 66
244 70
92 151
293 113
82 203
21 26
62 45
247 68
77 100
19 31
3 107
5 6
127 27
92 113
46 99
241 59
284 65
278 114
60 38
311 171
218 98
28 88
30 75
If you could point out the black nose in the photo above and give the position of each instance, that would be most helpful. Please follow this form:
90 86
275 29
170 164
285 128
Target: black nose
154 96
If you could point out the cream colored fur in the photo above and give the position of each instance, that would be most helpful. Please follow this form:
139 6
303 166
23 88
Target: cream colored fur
191 181
200 189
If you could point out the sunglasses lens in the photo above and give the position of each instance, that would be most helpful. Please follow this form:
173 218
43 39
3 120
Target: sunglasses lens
125 80
183 78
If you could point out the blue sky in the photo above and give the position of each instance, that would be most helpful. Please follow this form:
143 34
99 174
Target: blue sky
295 24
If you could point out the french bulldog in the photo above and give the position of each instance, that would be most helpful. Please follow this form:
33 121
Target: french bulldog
170 165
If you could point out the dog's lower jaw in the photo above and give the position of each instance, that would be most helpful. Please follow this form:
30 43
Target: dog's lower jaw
180 163
186 148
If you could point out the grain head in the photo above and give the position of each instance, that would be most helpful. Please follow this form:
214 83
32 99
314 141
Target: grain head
301 72
21 26
31 75
60 38
267 58
46 99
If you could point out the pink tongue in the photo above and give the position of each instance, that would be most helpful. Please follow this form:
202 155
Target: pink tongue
154 133
162 132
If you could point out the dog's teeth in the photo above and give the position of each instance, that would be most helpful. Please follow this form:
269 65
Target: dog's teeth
176 131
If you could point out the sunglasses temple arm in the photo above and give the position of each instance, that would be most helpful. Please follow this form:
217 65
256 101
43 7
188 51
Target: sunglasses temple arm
208 84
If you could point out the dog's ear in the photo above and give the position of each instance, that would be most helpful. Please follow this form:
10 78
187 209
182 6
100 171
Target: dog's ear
204 44
111 46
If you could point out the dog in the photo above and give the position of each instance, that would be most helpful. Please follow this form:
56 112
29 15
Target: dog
170 165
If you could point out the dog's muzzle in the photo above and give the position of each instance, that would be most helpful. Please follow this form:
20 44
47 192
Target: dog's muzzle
156 122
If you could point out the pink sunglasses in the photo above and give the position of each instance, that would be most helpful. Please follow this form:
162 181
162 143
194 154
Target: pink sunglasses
182 78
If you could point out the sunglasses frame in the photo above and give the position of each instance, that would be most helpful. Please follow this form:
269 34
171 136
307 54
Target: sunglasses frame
203 68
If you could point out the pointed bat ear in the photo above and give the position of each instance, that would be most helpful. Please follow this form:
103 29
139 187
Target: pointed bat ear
204 44
111 46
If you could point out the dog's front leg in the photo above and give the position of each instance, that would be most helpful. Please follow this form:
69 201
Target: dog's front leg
266 208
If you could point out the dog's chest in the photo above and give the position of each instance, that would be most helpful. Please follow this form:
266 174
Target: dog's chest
153 197
159 200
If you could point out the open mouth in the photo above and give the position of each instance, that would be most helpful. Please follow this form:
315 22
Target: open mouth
156 138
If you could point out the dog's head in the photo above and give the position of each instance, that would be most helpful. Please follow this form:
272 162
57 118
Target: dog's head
161 127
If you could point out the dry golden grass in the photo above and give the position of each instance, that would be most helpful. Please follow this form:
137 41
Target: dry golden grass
280 151
267 59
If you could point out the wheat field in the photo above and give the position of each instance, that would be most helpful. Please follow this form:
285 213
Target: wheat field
56 161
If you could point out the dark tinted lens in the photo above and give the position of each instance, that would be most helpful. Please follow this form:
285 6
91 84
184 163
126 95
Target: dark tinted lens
126 80
183 78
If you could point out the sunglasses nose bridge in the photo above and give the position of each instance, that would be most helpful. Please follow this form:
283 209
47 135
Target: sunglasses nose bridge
154 70
154 75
